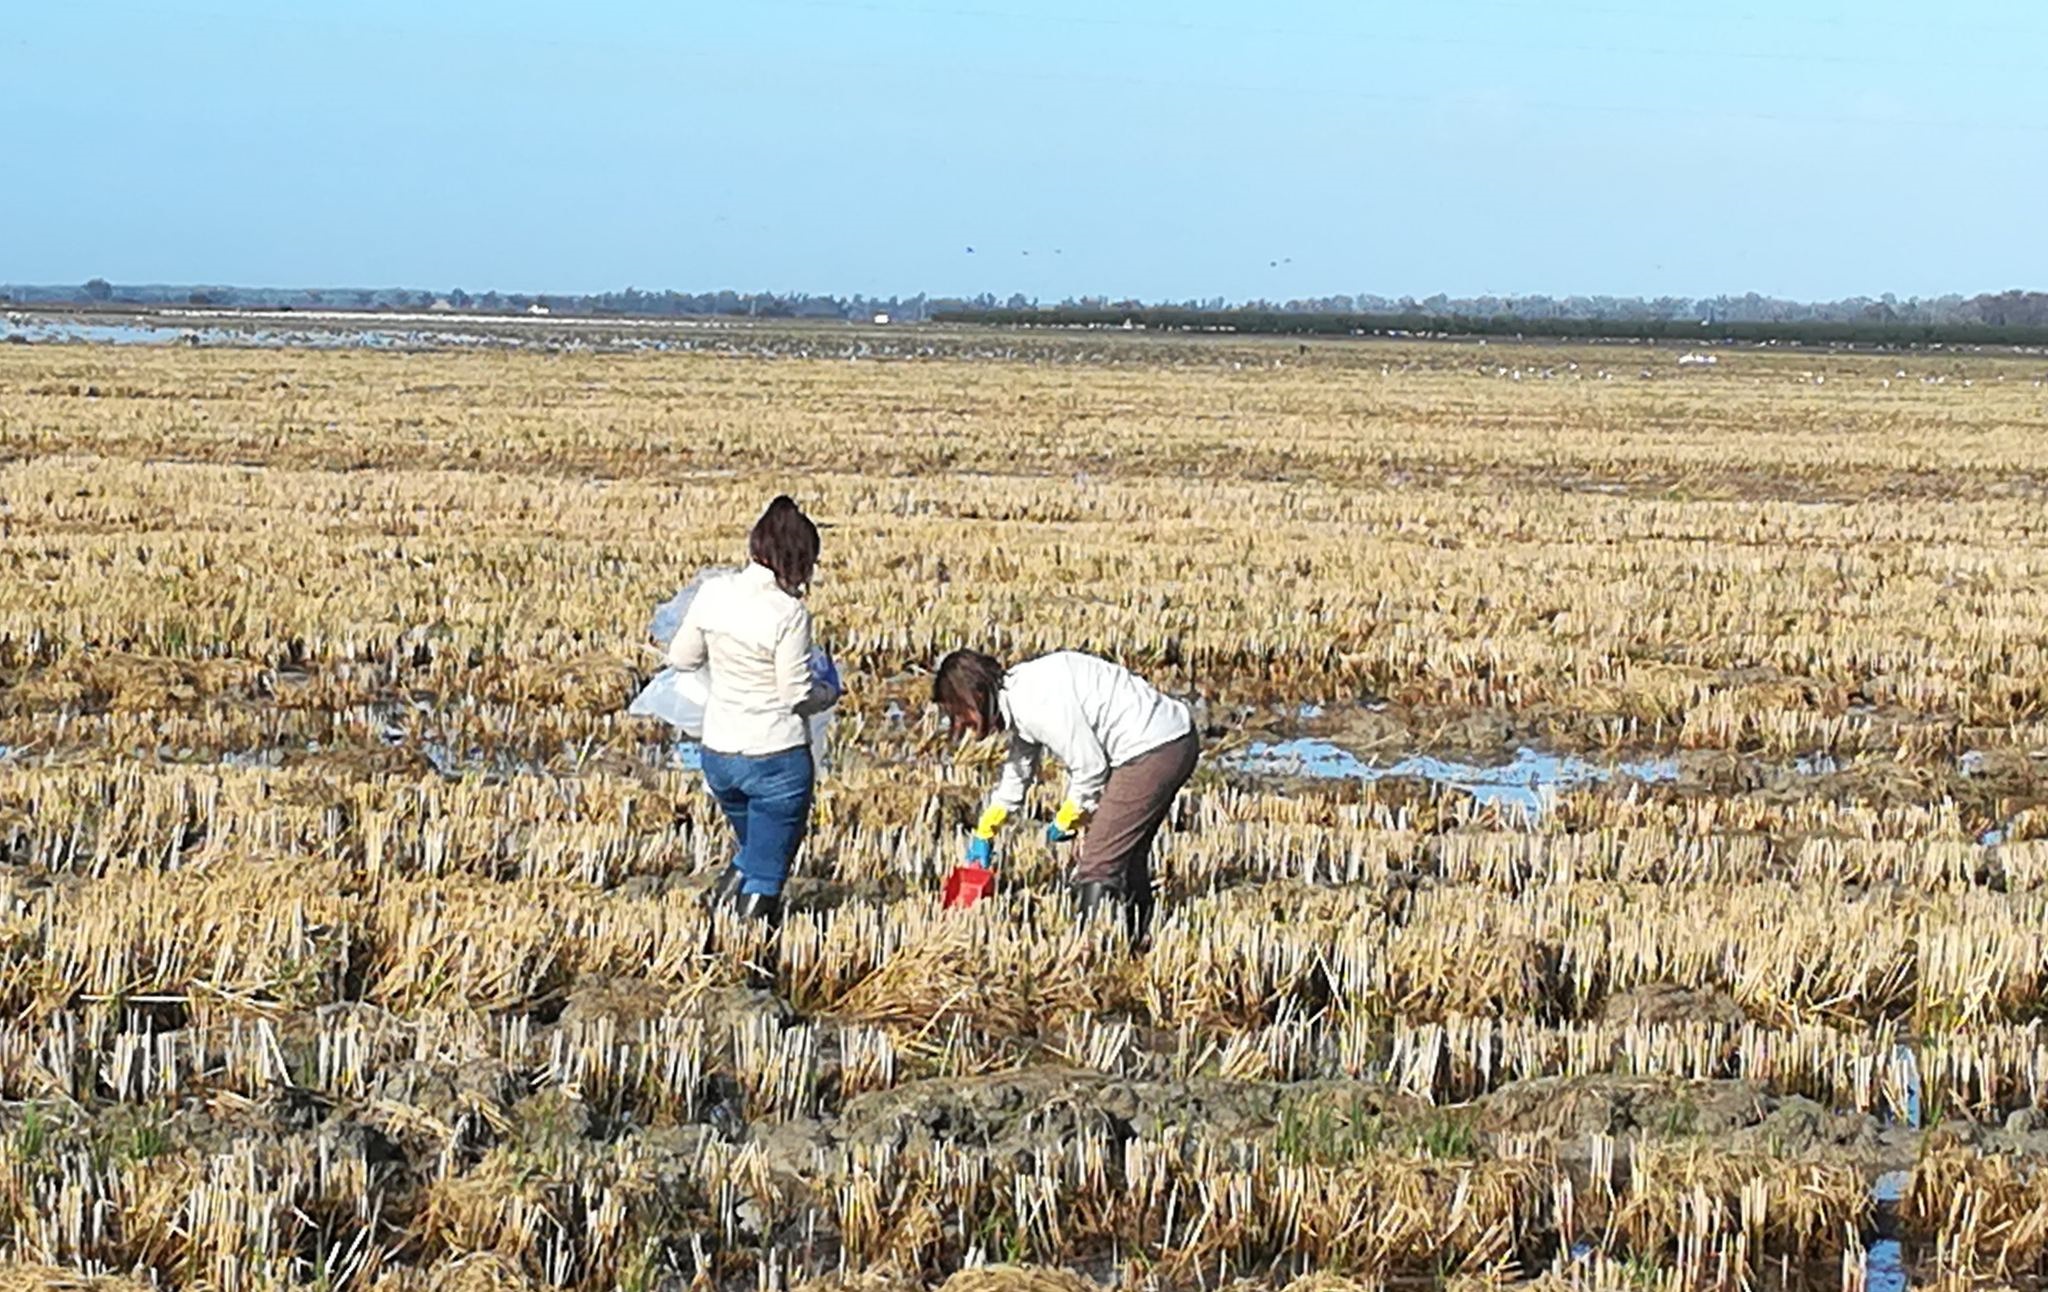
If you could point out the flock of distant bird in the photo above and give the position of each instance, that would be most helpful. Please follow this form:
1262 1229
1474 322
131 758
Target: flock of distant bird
1270 264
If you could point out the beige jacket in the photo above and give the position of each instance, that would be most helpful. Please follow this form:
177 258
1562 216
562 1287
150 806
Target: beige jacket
757 639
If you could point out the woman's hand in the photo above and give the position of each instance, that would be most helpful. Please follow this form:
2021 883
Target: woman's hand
1066 823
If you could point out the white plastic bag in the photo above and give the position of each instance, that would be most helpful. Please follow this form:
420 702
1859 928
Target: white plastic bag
668 616
678 698
821 727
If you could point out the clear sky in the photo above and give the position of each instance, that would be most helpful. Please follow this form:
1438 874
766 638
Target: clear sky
1149 148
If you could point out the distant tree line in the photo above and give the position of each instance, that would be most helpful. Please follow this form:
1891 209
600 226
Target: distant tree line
1305 323
630 303
2011 314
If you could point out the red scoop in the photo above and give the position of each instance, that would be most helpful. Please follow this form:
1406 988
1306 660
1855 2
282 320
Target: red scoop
968 885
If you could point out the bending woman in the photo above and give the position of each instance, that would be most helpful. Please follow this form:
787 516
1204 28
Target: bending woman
1127 750
755 631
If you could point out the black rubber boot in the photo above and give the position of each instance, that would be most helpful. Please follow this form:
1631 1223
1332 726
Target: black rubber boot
1092 898
1138 919
1102 898
766 907
726 889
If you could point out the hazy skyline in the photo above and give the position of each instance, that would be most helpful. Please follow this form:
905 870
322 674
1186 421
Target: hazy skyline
1149 150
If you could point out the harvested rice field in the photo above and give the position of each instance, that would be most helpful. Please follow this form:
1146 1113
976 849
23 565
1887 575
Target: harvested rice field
1619 858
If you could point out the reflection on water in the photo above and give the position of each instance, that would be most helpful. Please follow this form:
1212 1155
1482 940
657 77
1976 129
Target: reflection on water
1884 1267
336 330
1884 1260
41 330
143 330
1890 1187
1526 783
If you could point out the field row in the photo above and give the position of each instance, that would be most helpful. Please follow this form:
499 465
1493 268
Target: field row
490 531
359 1196
297 934
886 813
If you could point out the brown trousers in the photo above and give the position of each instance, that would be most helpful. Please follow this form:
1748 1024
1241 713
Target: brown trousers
1116 849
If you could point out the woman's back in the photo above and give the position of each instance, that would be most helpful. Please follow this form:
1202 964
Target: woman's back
757 639
1126 714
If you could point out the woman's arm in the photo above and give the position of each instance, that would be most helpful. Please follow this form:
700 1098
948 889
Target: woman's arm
825 685
1020 773
688 651
793 660
1080 750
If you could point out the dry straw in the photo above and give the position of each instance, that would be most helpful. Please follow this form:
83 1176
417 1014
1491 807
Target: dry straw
350 933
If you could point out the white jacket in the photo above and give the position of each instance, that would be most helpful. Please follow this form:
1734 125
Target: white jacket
757 639
1090 714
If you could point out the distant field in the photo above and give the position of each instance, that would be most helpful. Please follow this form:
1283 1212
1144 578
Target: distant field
351 930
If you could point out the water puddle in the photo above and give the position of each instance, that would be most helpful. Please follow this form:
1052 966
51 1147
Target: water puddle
1884 1257
253 759
1891 1187
431 330
1528 783
1884 1267
37 330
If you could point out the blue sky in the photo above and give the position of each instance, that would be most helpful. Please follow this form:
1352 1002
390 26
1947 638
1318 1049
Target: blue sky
1158 150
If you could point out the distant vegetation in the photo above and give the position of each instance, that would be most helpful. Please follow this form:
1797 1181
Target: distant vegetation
2007 318
1286 323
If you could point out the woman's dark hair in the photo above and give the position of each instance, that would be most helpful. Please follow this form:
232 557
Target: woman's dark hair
969 680
785 541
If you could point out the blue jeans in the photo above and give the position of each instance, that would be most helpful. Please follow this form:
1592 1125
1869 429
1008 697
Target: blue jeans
768 801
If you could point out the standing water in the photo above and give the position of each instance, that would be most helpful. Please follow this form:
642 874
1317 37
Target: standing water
1528 783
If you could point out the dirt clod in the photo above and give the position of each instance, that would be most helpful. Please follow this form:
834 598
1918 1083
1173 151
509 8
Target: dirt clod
1669 1003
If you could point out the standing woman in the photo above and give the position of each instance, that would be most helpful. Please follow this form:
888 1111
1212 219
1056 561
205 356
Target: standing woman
755 631
1127 750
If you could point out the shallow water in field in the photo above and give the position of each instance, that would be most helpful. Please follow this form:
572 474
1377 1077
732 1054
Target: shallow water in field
315 330
1884 1260
58 331
40 331
1527 783
1885 1267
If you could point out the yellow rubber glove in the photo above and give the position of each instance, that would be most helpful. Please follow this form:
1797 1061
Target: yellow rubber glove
981 849
1065 822
992 819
